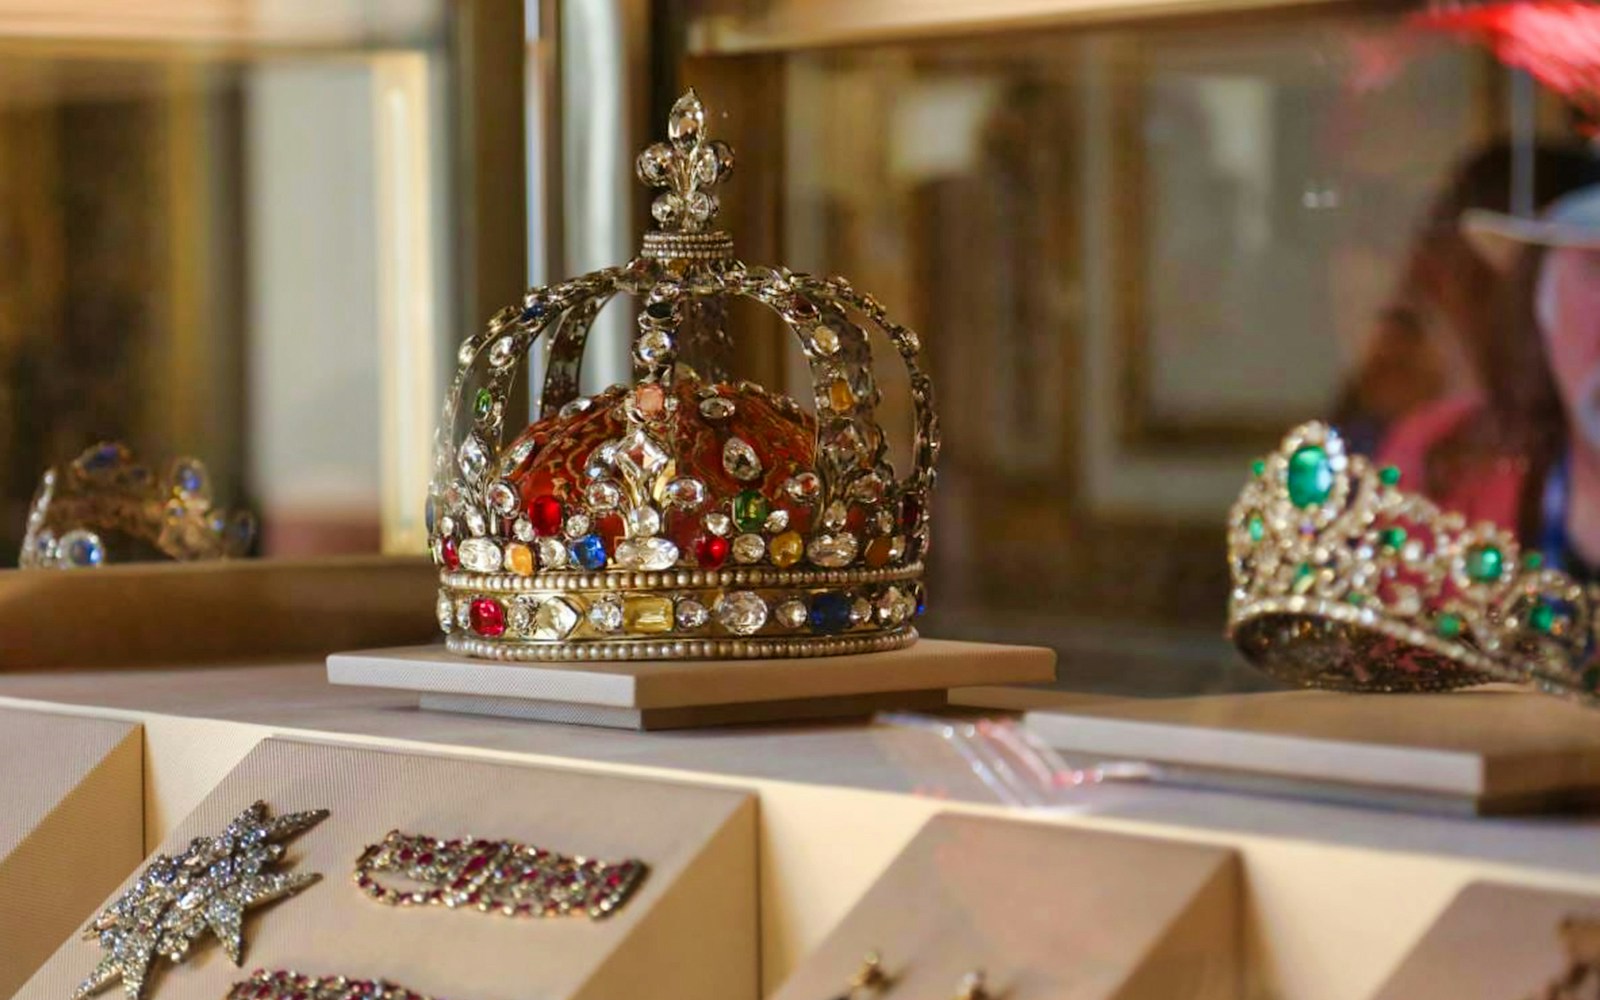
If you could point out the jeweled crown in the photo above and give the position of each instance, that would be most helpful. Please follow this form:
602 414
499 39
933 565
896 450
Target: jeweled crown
1341 579
687 515
104 506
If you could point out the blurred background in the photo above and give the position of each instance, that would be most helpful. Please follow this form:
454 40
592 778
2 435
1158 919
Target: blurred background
1141 238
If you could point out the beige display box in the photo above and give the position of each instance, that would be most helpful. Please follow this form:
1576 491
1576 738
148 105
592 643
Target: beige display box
688 933
1497 942
203 612
1481 751
71 828
676 694
1045 912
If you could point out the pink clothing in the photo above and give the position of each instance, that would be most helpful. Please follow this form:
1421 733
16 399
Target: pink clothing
1490 492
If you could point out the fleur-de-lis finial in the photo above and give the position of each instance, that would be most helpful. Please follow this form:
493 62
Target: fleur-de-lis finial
685 166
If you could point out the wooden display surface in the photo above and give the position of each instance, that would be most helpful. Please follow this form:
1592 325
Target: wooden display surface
675 694
689 932
71 828
1498 942
176 613
1045 912
1482 751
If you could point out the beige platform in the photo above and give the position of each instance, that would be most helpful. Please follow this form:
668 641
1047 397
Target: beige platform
1481 751
175 613
1044 912
1497 942
71 828
681 694
688 933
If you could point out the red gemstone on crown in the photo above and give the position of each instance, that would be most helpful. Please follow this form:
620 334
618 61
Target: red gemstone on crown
544 511
488 617
711 551
447 552
910 514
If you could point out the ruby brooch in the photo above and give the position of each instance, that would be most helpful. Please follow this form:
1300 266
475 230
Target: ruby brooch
495 876
286 985
177 900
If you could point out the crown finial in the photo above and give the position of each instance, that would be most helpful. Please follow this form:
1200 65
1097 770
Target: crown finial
684 167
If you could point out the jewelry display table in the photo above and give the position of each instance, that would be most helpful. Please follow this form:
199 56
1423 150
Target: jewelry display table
1335 896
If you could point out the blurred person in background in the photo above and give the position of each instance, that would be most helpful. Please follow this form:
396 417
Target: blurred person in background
1431 356
1524 450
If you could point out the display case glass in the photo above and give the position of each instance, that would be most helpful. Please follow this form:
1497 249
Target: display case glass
1141 245
245 233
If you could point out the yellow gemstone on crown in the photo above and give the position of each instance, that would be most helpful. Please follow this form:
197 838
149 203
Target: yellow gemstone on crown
519 559
647 614
840 397
786 549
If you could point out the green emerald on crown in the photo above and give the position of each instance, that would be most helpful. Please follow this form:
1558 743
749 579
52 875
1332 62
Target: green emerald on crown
1485 563
1310 477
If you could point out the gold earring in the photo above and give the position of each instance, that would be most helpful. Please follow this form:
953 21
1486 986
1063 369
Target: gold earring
870 977
974 987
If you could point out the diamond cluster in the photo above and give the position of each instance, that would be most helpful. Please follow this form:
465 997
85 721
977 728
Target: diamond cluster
176 901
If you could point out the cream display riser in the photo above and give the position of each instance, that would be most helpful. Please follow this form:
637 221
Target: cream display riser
1334 896
71 825
680 694
686 932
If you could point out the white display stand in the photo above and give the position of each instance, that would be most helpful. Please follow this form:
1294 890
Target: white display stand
1498 942
675 694
71 827
1481 751
689 932
1043 912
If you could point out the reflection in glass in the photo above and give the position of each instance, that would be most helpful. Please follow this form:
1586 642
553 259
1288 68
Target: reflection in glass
1139 255
227 242
106 507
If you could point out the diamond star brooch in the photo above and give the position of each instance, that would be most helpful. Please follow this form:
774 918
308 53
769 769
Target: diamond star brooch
207 888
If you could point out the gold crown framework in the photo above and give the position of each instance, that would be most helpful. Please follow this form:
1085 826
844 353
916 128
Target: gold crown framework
687 515
1343 580
104 495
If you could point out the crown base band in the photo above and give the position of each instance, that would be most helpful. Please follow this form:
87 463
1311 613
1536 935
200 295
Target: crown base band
1282 643
1337 647
681 649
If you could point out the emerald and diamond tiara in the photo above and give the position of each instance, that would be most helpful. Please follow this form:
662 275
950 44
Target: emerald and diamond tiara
687 514
1343 580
